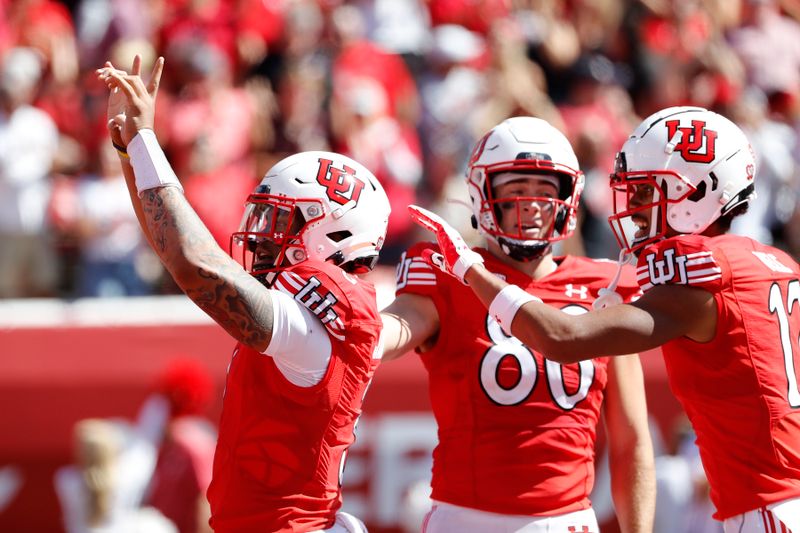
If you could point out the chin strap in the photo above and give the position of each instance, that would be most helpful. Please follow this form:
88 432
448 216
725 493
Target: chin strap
609 297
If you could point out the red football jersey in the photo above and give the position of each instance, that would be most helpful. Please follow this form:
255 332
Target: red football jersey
740 390
282 447
516 431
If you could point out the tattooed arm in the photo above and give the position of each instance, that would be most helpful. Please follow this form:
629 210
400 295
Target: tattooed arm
214 281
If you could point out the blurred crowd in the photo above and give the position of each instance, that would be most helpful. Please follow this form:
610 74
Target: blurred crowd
149 475
404 87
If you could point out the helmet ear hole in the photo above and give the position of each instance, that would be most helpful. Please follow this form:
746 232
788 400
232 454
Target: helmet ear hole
339 236
699 194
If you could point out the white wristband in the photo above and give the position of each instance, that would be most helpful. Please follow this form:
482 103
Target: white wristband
149 163
505 305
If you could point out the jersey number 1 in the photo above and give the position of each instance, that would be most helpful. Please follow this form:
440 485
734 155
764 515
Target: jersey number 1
783 307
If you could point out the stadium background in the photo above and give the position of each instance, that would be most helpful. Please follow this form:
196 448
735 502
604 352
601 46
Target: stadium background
88 318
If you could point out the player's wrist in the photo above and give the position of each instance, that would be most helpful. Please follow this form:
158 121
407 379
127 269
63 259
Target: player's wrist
506 304
463 266
122 151
472 273
150 165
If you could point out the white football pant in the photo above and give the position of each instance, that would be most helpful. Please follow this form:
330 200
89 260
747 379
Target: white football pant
781 517
446 518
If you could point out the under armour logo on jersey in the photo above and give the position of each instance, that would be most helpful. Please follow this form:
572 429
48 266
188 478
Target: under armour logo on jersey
342 185
582 292
666 269
696 144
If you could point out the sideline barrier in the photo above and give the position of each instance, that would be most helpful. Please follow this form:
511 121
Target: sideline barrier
61 362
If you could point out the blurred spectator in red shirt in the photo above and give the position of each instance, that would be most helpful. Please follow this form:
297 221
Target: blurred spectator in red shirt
359 57
208 21
259 29
209 135
365 130
475 15
46 26
183 470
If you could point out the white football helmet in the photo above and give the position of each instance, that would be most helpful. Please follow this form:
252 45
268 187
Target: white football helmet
313 205
698 165
524 145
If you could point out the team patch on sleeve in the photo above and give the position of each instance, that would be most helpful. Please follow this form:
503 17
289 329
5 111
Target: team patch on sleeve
673 264
311 293
413 273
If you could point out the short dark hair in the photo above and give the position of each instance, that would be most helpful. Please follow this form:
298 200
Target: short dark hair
724 222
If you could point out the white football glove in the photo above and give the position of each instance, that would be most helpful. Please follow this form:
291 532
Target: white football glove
456 258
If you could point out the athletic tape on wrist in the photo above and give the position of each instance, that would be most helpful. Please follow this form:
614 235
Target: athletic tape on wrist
150 165
505 305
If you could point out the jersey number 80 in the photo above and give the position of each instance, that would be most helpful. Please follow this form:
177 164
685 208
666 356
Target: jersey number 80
505 345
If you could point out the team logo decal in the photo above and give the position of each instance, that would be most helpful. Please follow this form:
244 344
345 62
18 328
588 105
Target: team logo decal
342 185
321 306
697 144
668 269
751 171
478 150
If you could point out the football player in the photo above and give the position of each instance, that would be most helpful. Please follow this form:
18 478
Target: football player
724 308
517 430
308 327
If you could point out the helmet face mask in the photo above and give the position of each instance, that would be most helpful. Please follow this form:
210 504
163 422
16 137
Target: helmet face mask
270 235
641 202
531 147
700 166
312 205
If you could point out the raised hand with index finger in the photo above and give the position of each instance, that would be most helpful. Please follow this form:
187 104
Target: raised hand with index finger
131 104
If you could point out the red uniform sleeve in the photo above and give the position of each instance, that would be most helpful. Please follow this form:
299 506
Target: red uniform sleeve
414 275
683 260
314 285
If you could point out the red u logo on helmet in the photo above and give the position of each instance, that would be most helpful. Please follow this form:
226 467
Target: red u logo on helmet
342 185
696 144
